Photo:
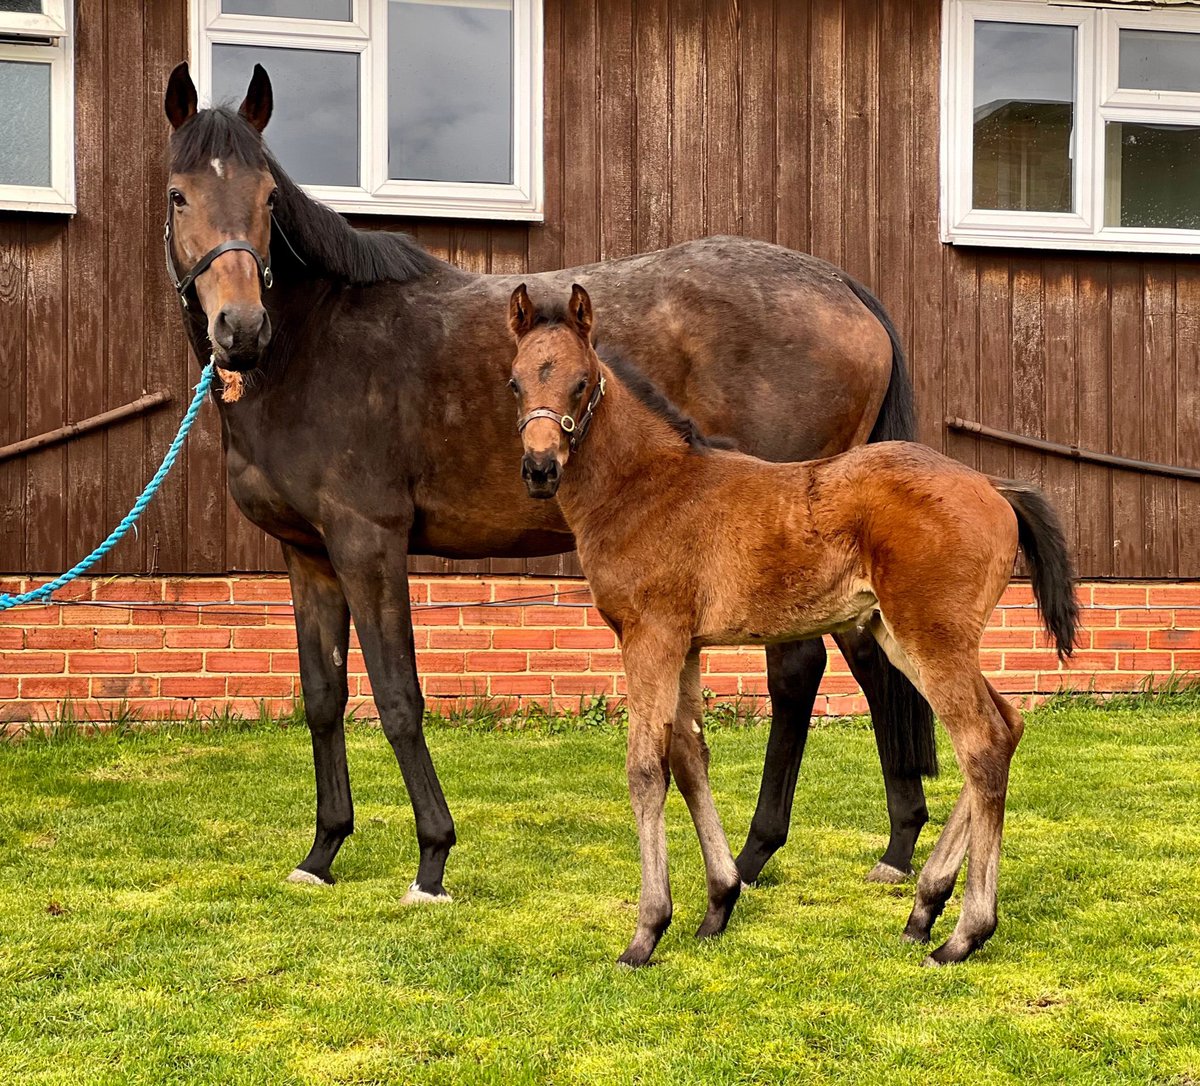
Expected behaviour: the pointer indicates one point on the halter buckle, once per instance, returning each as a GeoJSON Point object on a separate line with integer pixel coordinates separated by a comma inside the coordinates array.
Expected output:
{"type": "Point", "coordinates": [567, 423]}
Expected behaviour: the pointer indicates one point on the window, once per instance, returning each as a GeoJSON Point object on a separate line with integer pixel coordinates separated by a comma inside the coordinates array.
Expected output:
{"type": "Point", "coordinates": [37, 129]}
{"type": "Point", "coordinates": [416, 107]}
{"type": "Point", "coordinates": [1070, 127]}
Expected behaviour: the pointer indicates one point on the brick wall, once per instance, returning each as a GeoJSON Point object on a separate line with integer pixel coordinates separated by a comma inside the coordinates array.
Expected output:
{"type": "Point", "coordinates": [176, 646]}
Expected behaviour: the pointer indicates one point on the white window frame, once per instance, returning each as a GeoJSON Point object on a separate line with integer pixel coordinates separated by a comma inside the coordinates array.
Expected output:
{"type": "Point", "coordinates": [46, 39]}
{"type": "Point", "coordinates": [366, 35]}
{"type": "Point", "coordinates": [1097, 102]}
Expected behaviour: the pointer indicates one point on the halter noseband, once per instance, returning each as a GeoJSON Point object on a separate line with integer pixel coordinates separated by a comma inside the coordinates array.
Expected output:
{"type": "Point", "coordinates": [576, 430]}
{"type": "Point", "coordinates": [183, 284]}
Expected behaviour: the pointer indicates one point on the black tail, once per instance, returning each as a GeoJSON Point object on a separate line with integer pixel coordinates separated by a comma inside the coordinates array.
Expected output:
{"type": "Point", "coordinates": [1040, 533]}
{"type": "Point", "coordinates": [897, 420]}
{"type": "Point", "coordinates": [908, 743]}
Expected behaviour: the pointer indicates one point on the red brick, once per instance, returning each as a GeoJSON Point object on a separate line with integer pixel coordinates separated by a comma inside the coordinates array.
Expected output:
{"type": "Point", "coordinates": [553, 616]}
{"type": "Point", "coordinates": [1033, 660]}
{"type": "Point", "coordinates": [1175, 595]}
{"type": "Point", "coordinates": [287, 663]}
{"type": "Point", "coordinates": [560, 663]}
{"type": "Point", "coordinates": [490, 662]}
{"type": "Point", "coordinates": [1021, 616]}
{"type": "Point", "coordinates": [198, 590]}
{"type": "Point", "coordinates": [460, 639]}
{"type": "Point", "coordinates": [125, 589]}
{"type": "Point", "coordinates": [608, 661]}
{"type": "Point", "coordinates": [163, 616]}
{"type": "Point", "coordinates": [1119, 639]}
{"type": "Point", "coordinates": [1119, 595]}
{"type": "Point", "coordinates": [1013, 681]}
{"type": "Point", "coordinates": [244, 663]}
{"type": "Point", "coordinates": [523, 639]}
{"type": "Point", "coordinates": [1017, 594]}
{"type": "Point", "coordinates": [583, 685]}
{"type": "Point", "coordinates": [100, 663]}
{"type": "Point", "coordinates": [723, 686]}
{"type": "Point", "coordinates": [129, 637]}
{"type": "Point", "coordinates": [261, 589]}
{"type": "Point", "coordinates": [211, 616]}
{"type": "Point", "coordinates": [445, 663]}
{"type": "Point", "coordinates": [31, 663]}
{"type": "Point", "coordinates": [1161, 662]}
{"type": "Point", "coordinates": [436, 686]}
{"type": "Point", "coordinates": [1175, 639]}
{"type": "Point", "coordinates": [160, 662]}
{"type": "Point", "coordinates": [9, 688]}
{"type": "Point", "coordinates": [585, 639]}
{"type": "Point", "coordinates": [88, 615]}
{"type": "Point", "coordinates": [124, 686]}
{"type": "Point", "coordinates": [449, 591]}
{"type": "Point", "coordinates": [56, 687]}
{"type": "Point", "coordinates": [725, 663]}
{"type": "Point", "coordinates": [265, 637]}
{"type": "Point", "coordinates": [60, 637]}
{"type": "Point", "coordinates": [528, 685]}
{"type": "Point", "coordinates": [594, 618]}
{"type": "Point", "coordinates": [198, 638]}
{"type": "Point", "coordinates": [260, 686]}
{"type": "Point", "coordinates": [1185, 661]}
{"type": "Point", "coordinates": [1149, 619]}
{"type": "Point", "coordinates": [192, 686]}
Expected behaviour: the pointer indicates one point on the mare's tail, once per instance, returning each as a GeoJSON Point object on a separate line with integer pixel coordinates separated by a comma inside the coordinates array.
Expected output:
{"type": "Point", "coordinates": [1040, 534]}
{"type": "Point", "coordinates": [908, 743]}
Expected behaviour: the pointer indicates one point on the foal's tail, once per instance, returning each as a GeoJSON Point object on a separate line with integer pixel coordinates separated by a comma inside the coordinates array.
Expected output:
{"type": "Point", "coordinates": [1040, 534]}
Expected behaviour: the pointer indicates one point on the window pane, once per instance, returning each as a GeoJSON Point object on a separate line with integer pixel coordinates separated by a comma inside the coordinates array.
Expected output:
{"type": "Point", "coordinates": [25, 7]}
{"type": "Point", "coordinates": [314, 130]}
{"type": "Point", "coordinates": [338, 10]}
{"type": "Point", "coordinates": [1159, 60]}
{"type": "Point", "coordinates": [1152, 175]}
{"type": "Point", "coordinates": [450, 93]}
{"type": "Point", "coordinates": [1024, 116]}
{"type": "Point", "coordinates": [24, 123]}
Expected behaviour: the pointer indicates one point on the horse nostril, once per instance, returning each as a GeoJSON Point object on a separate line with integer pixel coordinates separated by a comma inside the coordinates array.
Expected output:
{"type": "Point", "coordinates": [223, 330]}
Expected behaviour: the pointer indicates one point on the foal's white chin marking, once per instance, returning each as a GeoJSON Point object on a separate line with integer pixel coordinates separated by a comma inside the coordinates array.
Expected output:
{"type": "Point", "coordinates": [417, 896]}
{"type": "Point", "coordinates": [306, 878]}
{"type": "Point", "coordinates": [218, 167]}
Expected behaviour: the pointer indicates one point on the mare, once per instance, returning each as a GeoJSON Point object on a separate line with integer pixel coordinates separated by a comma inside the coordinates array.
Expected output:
{"type": "Point", "coordinates": [686, 545]}
{"type": "Point", "coordinates": [369, 429]}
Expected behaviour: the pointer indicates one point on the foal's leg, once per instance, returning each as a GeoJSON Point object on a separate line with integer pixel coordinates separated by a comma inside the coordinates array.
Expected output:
{"type": "Point", "coordinates": [891, 711]}
{"type": "Point", "coordinates": [689, 763]}
{"type": "Point", "coordinates": [653, 663]}
{"type": "Point", "coordinates": [372, 567]}
{"type": "Point", "coordinates": [794, 674]}
{"type": "Point", "coordinates": [323, 631]}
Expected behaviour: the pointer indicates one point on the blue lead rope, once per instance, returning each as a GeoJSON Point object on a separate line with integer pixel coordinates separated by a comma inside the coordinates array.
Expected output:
{"type": "Point", "coordinates": [118, 533]}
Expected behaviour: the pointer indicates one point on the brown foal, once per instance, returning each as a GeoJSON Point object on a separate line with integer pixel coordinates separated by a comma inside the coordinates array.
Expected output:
{"type": "Point", "coordinates": [686, 544]}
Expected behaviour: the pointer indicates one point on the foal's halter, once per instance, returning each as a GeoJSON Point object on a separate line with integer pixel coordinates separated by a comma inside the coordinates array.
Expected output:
{"type": "Point", "coordinates": [183, 284]}
{"type": "Point", "coordinates": [576, 431]}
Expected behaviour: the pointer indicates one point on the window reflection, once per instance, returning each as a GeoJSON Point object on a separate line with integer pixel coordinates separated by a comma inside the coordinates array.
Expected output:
{"type": "Point", "coordinates": [1152, 175]}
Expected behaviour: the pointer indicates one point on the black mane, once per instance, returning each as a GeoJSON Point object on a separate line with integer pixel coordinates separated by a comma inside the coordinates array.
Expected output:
{"type": "Point", "coordinates": [654, 398]}
{"type": "Point", "coordinates": [319, 236]}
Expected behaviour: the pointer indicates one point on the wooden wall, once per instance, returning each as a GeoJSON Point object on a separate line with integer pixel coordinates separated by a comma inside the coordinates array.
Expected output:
{"type": "Point", "coordinates": [814, 124]}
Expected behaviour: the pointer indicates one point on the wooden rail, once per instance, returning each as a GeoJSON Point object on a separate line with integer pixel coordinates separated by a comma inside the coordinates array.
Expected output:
{"type": "Point", "coordinates": [73, 429]}
{"type": "Point", "coordinates": [1073, 452]}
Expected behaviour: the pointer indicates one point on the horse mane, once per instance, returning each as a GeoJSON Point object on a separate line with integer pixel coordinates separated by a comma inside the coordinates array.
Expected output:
{"type": "Point", "coordinates": [317, 234]}
{"type": "Point", "coordinates": [653, 397]}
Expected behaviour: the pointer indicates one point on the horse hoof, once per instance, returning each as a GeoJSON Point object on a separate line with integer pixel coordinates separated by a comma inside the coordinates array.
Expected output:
{"type": "Point", "coordinates": [882, 872]}
{"type": "Point", "coordinates": [417, 896]}
{"type": "Point", "coordinates": [307, 878]}
{"type": "Point", "coordinates": [634, 959]}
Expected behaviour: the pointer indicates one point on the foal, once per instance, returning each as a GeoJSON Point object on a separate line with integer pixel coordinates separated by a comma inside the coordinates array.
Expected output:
{"type": "Point", "coordinates": [685, 544]}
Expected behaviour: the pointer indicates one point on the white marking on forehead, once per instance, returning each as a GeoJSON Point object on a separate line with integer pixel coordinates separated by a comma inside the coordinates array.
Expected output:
{"type": "Point", "coordinates": [218, 167]}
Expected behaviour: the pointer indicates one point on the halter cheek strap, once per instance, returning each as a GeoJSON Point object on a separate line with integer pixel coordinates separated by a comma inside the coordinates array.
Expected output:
{"type": "Point", "coordinates": [184, 283]}
{"type": "Point", "coordinates": [576, 431]}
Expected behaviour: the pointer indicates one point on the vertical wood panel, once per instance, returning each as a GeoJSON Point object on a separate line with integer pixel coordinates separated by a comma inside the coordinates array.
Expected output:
{"type": "Point", "coordinates": [687, 120]}
{"type": "Point", "coordinates": [759, 103]}
{"type": "Point", "coordinates": [995, 360]}
{"type": "Point", "coordinates": [616, 130]}
{"type": "Point", "coordinates": [962, 352]}
{"type": "Point", "coordinates": [1127, 487]}
{"type": "Point", "coordinates": [1159, 557]}
{"type": "Point", "coordinates": [580, 136]}
{"type": "Point", "coordinates": [1028, 394]}
{"type": "Point", "coordinates": [826, 137]}
{"type": "Point", "coordinates": [12, 390]}
{"type": "Point", "coordinates": [722, 108]}
{"type": "Point", "coordinates": [652, 123]}
{"type": "Point", "coordinates": [1187, 408]}
{"type": "Point", "coordinates": [1060, 476]}
{"type": "Point", "coordinates": [792, 209]}
{"type": "Point", "coordinates": [859, 189]}
{"type": "Point", "coordinates": [545, 239]}
{"type": "Point", "coordinates": [1094, 374]}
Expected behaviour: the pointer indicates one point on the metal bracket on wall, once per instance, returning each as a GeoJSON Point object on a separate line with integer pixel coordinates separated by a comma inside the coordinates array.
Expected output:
{"type": "Point", "coordinates": [1072, 452]}
{"type": "Point", "coordinates": [106, 418]}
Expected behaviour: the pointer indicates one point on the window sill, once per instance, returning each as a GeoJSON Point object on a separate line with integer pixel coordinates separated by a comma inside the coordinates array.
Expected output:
{"type": "Point", "coordinates": [1114, 241]}
{"type": "Point", "coordinates": [49, 206]}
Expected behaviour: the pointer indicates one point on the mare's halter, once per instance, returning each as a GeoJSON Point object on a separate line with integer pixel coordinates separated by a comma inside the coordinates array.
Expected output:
{"type": "Point", "coordinates": [183, 284]}
{"type": "Point", "coordinates": [576, 431]}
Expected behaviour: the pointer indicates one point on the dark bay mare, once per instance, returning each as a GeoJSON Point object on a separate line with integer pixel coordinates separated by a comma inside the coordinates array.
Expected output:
{"type": "Point", "coordinates": [686, 545]}
{"type": "Point", "coordinates": [374, 425]}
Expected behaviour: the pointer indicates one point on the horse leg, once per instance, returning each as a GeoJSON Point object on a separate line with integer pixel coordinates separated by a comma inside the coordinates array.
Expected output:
{"type": "Point", "coordinates": [896, 714]}
{"type": "Point", "coordinates": [652, 669]}
{"type": "Point", "coordinates": [323, 632]}
{"type": "Point", "coordinates": [689, 763]}
{"type": "Point", "coordinates": [794, 673]}
{"type": "Point", "coordinates": [373, 570]}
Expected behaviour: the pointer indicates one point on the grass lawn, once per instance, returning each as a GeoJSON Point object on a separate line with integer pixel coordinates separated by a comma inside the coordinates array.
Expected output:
{"type": "Point", "coordinates": [148, 935]}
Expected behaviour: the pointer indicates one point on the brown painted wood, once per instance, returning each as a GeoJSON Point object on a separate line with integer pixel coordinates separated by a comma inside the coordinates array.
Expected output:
{"type": "Point", "coordinates": [813, 123]}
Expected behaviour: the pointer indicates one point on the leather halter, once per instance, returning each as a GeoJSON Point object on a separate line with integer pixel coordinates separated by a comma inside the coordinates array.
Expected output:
{"type": "Point", "coordinates": [576, 430]}
{"type": "Point", "coordinates": [183, 284]}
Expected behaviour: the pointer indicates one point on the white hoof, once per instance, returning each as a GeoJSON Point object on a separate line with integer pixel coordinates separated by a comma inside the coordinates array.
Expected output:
{"type": "Point", "coordinates": [747, 886]}
{"type": "Point", "coordinates": [417, 896]}
{"type": "Point", "coordinates": [306, 878]}
{"type": "Point", "coordinates": [882, 872]}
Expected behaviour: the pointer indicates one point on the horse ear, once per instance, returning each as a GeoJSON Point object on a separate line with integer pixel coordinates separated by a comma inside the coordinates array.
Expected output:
{"type": "Point", "coordinates": [259, 101]}
{"type": "Point", "coordinates": [179, 102]}
{"type": "Point", "coordinates": [520, 312]}
{"type": "Point", "coordinates": [580, 311]}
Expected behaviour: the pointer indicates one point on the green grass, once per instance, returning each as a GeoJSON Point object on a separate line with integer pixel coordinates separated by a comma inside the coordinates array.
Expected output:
{"type": "Point", "coordinates": [148, 935]}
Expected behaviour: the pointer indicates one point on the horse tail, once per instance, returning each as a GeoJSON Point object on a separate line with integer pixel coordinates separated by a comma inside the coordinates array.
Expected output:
{"type": "Point", "coordinates": [907, 740]}
{"type": "Point", "coordinates": [1040, 534]}
{"type": "Point", "coordinates": [897, 418]}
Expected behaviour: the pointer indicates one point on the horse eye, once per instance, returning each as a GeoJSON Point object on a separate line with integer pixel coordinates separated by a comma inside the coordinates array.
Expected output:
{"type": "Point", "coordinates": [514, 387]}
{"type": "Point", "coordinates": [581, 386]}
{"type": "Point", "coordinates": [272, 198]}
{"type": "Point", "coordinates": [177, 198]}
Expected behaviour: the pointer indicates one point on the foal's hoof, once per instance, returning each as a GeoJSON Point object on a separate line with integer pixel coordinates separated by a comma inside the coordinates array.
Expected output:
{"type": "Point", "coordinates": [946, 954]}
{"type": "Point", "coordinates": [635, 958]}
{"type": "Point", "coordinates": [882, 872]}
{"type": "Point", "coordinates": [913, 934]}
{"type": "Point", "coordinates": [717, 918]}
{"type": "Point", "coordinates": [307, 878]}
{"type": "Point", "coordinates": [417, 896]}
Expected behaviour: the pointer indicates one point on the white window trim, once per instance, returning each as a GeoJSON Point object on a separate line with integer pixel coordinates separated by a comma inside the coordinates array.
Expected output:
{"type": "Point", "coordinates": [52, 43]}
{"type": "Point", "coordinates": [379, 195]}
{"type": "Point", "coordinates": [1097, 101]}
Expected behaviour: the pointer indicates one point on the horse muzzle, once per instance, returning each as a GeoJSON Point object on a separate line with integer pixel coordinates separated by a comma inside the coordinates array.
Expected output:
{"type": "Point", "coordinates": [240, 334]}
{"type": "Point", "coordinates": [541, 474]}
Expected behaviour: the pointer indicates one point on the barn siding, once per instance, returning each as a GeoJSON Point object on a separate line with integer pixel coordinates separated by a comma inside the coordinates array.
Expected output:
{"type": "Point", "coordinates": [813, 123]}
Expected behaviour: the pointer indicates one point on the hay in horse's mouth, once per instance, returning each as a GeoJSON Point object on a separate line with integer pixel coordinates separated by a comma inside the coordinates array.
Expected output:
{"type": "Point", "coordinates": [233, 385]}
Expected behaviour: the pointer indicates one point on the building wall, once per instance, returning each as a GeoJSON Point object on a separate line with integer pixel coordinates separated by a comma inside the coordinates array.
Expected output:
{"type": "Point", "coordinates": [813, 123]}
